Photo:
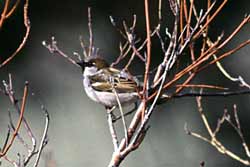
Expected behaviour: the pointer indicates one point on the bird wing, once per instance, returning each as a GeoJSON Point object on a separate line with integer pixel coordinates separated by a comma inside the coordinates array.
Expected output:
{"type": "Point", "coordinates": [111, 78]}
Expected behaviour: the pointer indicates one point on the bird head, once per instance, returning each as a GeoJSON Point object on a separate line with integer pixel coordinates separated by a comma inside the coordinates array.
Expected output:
{"type": "Point", "coordinates": [97, 63]}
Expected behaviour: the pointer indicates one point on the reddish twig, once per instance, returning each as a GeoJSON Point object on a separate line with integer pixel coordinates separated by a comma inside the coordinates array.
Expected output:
{"type": "Point", "coordinates": [24, 99]}
{"type": "Point", "coordinates": [27, 25]}
{"type": "Point", "coordinates": [148, 58]}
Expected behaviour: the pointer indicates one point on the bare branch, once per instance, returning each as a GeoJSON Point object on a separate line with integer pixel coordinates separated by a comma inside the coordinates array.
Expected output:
{"type": "Point", "coordinates": [213, 138]}
{"type": "Point", "coordinates": [112, 131]}
{"type": "Point", "coordinates": [53, 48]}
{"type": "Point", "coordinates": [7, 146]}
{"type": "Point", "coordinates": [14, 134]}
{"type": "Point", "coordinates": [44, 137]}
{"type": "Point", "coordinates": [27, 25]}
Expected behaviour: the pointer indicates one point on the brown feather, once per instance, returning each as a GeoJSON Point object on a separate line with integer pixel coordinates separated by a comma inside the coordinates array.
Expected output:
{"type": "Point", "coordinates": [109, 78]}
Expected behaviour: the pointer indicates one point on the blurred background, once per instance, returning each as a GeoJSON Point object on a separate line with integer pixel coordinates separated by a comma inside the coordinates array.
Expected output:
{"type": "Point", "coordinates": [78, 134]}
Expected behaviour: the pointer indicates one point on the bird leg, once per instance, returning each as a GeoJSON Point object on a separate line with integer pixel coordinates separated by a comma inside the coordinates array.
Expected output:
{"type": "Point", "coordinates": [110, 111]}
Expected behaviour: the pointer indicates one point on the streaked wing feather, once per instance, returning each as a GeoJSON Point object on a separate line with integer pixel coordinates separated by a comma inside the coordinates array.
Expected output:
{"type": "Point", "coordinates": [120, 83]}
{"type": "Point", "coordinates": [102, 86]}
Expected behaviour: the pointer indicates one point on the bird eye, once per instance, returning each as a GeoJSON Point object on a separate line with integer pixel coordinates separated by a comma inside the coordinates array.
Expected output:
{"type": "Point", "coordinates": [89, 64]}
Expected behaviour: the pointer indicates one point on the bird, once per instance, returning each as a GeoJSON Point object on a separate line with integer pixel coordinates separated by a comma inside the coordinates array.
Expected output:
{"type": "Point", "coordinates": [105, 84]}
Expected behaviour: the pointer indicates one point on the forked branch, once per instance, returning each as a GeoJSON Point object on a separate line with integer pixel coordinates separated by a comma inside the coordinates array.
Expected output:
{"type": "Point", "coordinates": [26, 24]}
{"type": "Point", "coordinates": [14, 129]}
{"type": "Point", "coordinates": [214, 141]}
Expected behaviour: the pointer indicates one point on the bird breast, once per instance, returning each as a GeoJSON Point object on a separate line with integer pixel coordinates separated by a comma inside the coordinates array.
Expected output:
{"type": "Point", "coordinates": [108, 99]}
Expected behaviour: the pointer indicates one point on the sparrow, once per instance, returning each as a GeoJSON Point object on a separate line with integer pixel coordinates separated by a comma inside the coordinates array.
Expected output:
{"type": "Point", "coordinates": [103, 84]}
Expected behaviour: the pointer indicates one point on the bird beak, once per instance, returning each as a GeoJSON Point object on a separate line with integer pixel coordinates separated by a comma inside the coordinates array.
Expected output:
{"type": "Point", "coordinates": [81, 64]}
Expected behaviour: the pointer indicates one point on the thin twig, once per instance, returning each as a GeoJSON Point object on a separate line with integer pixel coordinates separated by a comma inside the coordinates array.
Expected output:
{"type": "Point", "coordinates": [4, 13]}
{"type": "Point", "coordinates": [53, 48]}
{"type": "Point", "coordinates": [122, 114]}
{"type": "Point", "coordinates": [90, 32]}
{"type": "Point", "coordinates": [19, 122]}
{"type": "Point", "coordinates": [213, 139]}
{"type": "Point", "coordinates": [44, 136]}
{"type": "Point", "coordinates": [211, 18]}
{"type": "Point", "coordinates": [112, 131]}
{"type": "Point", "coordinates": [27, 25]}
{"type": "Point", "coordinates": [12, 10]}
